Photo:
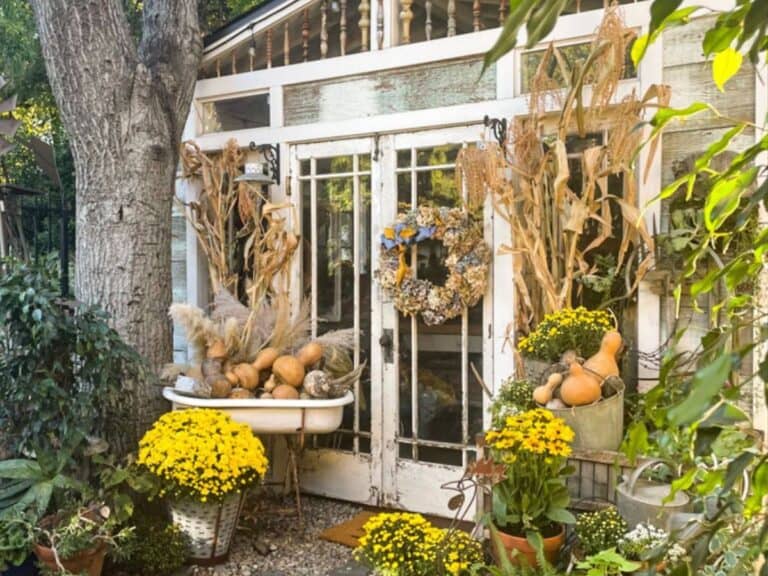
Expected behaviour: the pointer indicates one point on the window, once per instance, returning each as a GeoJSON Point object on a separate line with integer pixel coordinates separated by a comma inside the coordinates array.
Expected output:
{"type": "Point", "coordinates": [236, 114]}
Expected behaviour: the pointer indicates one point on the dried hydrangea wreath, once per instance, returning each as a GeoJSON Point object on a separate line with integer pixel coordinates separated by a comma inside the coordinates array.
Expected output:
{"type": "Point", "coordinates": [467, 263]}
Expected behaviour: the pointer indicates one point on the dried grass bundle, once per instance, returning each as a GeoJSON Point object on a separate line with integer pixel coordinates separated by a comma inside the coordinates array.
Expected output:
{"type": "Point", "coordinates": [556, 231]}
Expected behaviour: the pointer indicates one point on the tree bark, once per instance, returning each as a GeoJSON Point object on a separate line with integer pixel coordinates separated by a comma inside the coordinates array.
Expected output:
{"type": "Point", "coordinates": [124, 106]}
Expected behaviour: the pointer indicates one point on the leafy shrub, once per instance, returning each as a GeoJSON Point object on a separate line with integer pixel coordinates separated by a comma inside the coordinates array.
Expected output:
{"type": "Point", "coordinates": [600, 530]}
{"type": "Point", "coordinates": [515, 396]}
{"type": "Point", "coordinates": [160, 548]}
{"type": "Point", "coordinates": [61, 365]}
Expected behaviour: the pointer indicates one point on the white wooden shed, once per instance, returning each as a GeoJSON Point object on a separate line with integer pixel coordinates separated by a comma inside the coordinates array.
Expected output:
{"type": "Point", "coordinates": [368, 102]}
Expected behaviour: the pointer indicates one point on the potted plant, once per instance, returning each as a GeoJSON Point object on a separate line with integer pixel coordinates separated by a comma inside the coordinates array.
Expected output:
{"type": "Point", "coordinates": [15, 545]}
{"type": "Point", "coordinates": [651, 546]}
{"type": "Point", "coordinates": [77, 540]}
{"type": "Point", "coordinates": [598, 531]}
{"type": "Point", "coordinates": [203, 462]}
{"type": "Point", "coordinates": [606, 563]}
{"type": "Point", "coordinates": [529, 503]}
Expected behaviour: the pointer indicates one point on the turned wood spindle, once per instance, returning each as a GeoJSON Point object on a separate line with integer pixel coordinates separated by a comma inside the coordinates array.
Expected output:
{"type": "Point", "coordinates": [428, 22]}
{"type": "Point", "coordinates": [343, 28]}
{"type": "Point", "coordinates": [476, 15]}
{"type": "Point", "coordinates": [305, 35]}
{"type": "Point", "coordinates": [502, 11]}
{"type": "Point", "coordinates": [324, 29]}
{"type": "Point", "coordinates": [406, 16]}
{"type": "Point", "coordinates": [234, 63]}
{"type": "Point", "coordinates": [269, 48]}
{"type": "Point", "coordinates": [218, 68]}
{"type": "Point", "coordinates": [380, 24]}
{"type": "Point", "coordinates": [286, 45]}
{"type": "Point", "coordinates": [451, 17]}
{"type": "Point", "coordinates": [365, 24]}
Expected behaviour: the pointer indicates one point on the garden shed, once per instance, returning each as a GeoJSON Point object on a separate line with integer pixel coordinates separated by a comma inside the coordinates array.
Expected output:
{"type": "Point", "coordinates": [362, 108]}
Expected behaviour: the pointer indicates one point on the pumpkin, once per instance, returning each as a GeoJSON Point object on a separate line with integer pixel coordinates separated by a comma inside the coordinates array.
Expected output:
{"type": "Point", "coordinates": [220, 386]}
{"type": "Point", "coordinates": [217, 349]}
{"type": "Point", "coordinates": [265, 358]}
{"type": "Point", "coordinates": [285, 392]}
{"type": "Point", "coordinates": [241, 394]}
{"type": "Point", "coordinates": [288, 370]}
{"type": "Point", "coordinates": [543, 393]}
{"type": "Point", "coordinates": [310, 354]}
{"type": "Point", "coordinates": [247, 375]}
{"type": "Point", "coordinates": [603, 363]}
{"type": "Point", "coordinates": [579, 388]}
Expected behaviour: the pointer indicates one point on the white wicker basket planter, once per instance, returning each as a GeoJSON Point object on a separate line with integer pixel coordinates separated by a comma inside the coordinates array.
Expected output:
{"type": "Point", "coordinates": [210, 526]}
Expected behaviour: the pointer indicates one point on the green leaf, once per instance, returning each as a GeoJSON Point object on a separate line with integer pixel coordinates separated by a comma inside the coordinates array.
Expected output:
{"type": "Point", "coordinates": [706, 384]}
{"type": "Point", "coordinates": [639, 46]}
{"type": "Point", "coordinates": [725, 65]}
{"type": "Point", "coordinates": [561, 515]}
{"type": "Point", "coordinates": [20, 469]}
{"type": "Point", "coordinates": [724, 198]}
{"type": "Point", "coordinates": [661, 10]}
{"type": "Point", "coordinates": [727, 414]}
{"type": "Point", "coordinates": [635, 441]}
{"type": "Point", "coordinates": [543, 20]}
{"type": "Point", "coordinates": [518, 13]}
{"type": "Point", "coordinates": [719, 37]}
{"type": "Point", "coordinates": [717, 147]}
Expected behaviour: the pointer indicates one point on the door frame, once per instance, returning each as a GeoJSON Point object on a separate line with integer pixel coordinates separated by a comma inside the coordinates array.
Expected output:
{"type": "Point", "coordinates": [381, 477]}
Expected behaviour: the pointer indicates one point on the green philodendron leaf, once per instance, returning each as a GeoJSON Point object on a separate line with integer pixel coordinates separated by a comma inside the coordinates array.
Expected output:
{"type": "Point", "coordinates": [725, 65]}
{"type": "Point", "coordinates": [661, 10]}
{"type": "Point", "coordinates": [636, 441]}
{"type": "Point", "coordinates": [727, 414]}
{"type": "Point", "coordinates": [681, 484]}
{"type": "Point", "coordinates": [543, 20]}
{"type": "Point", "coordinates": [706, 384]}
{"type": "Point", "coordinates": [715, 148]}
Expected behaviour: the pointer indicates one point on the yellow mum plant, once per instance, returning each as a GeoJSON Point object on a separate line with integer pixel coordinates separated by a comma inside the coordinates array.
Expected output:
{"type": "Point", "coordinates": [533, 447]}
{"type": "Point", "coordinates": [575, 329]}
{"type": "Point", "coordinates": [407, 544]}
{"type": "Point", "coordinates": [201, 454]}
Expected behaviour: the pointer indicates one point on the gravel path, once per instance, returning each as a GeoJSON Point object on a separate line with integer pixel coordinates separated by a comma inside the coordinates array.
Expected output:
{"type": "Point", "coordinates": [270, 542]}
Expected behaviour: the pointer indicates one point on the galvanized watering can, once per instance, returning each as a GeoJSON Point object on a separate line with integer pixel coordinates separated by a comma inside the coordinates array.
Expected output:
{"type": "Point", "coordinates": [640, 500]}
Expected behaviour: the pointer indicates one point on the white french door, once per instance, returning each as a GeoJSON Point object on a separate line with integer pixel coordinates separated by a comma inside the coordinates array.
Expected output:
{"type": "Point", "coordinates": [418, 406]}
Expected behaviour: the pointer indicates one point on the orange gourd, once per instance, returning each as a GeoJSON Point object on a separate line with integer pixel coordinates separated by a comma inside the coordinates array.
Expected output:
{"type": "Point", "coordinates": [543, 393]}
{"type": "Point", "coordinates": [579, 388]}
{"type": "Point", "coordinates": [603, 363]}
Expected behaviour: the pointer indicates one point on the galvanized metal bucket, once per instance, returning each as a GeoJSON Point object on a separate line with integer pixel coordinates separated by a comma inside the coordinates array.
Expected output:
{"type": "Point", "coordinates": [598, 426]}
{"type": "Point", "coordinates": [640, 500]}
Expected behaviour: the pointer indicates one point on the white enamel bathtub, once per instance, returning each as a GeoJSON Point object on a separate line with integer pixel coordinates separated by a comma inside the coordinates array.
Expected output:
{"type": "Point", "coordinates": [316, 416]}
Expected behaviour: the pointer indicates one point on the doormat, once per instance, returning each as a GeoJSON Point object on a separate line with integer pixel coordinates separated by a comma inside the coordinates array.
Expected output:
{"type": "Point", "coordinates": [347, 533]}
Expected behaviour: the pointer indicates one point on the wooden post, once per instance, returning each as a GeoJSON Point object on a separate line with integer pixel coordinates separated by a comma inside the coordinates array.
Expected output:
{"type": "Point", "coordinates": [269, 48]}
{"type": "Point", "coordinates": [451, 17]}
{"type": "Point", "coordinates": [502, 12]}
{"type": "Point", "coordinates": [234, 62]}
{"type": "Point", "coordinates": [286, 45]}
{"type": "Point", "coordinates": [343, 28]}
{"type": "Point", "coordinates": [305, 34]}
{"type": "Point", "coordinates": [428, 22]}
{"type": "Point", "coordinates": [406, 16]}
{"type": "Point", "coordinates": [324, 29]}
{"type": "Point", "coordinates": [476, 15]}
{"type": "Point", "coordinates": [365, 24]}
{"type": "Point", "coordinates": [380, 23]}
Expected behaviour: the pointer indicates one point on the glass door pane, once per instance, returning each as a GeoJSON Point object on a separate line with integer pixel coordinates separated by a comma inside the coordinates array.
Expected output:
{"type": "Point", "coordinates": [336, 272]}
{"type": "Point", "coordinates": [440, 404]}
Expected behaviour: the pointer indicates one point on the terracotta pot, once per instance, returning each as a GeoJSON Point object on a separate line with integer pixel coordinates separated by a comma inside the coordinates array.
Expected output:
{"type": "Point", "coordinates": [90, 561]}
{"type": "Point", "coordinates": [552, 547]}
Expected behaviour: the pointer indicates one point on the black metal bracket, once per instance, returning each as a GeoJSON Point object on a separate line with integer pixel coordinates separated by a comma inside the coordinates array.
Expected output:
{"type": "Point", "coordinates": [498, 128]}
{"type": "Point", "coordinates": [271, 154]}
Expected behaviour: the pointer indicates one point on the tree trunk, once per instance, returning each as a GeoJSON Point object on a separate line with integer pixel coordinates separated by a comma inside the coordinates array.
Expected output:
{"type": "Point", "coordinates": [124, 107]}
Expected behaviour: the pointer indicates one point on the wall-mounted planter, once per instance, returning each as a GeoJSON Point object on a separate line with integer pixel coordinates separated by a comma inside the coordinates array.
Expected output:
{"type": "Point", "coordinates": [270, 416]}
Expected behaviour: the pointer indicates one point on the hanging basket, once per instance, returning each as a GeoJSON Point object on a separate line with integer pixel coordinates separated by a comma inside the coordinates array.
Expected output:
{"type": "Point", "coordinates": [210, 526]}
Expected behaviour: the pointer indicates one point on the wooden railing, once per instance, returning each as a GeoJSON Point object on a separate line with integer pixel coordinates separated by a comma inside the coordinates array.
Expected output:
{"type": "Point", "coordinates": [330, 28]}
